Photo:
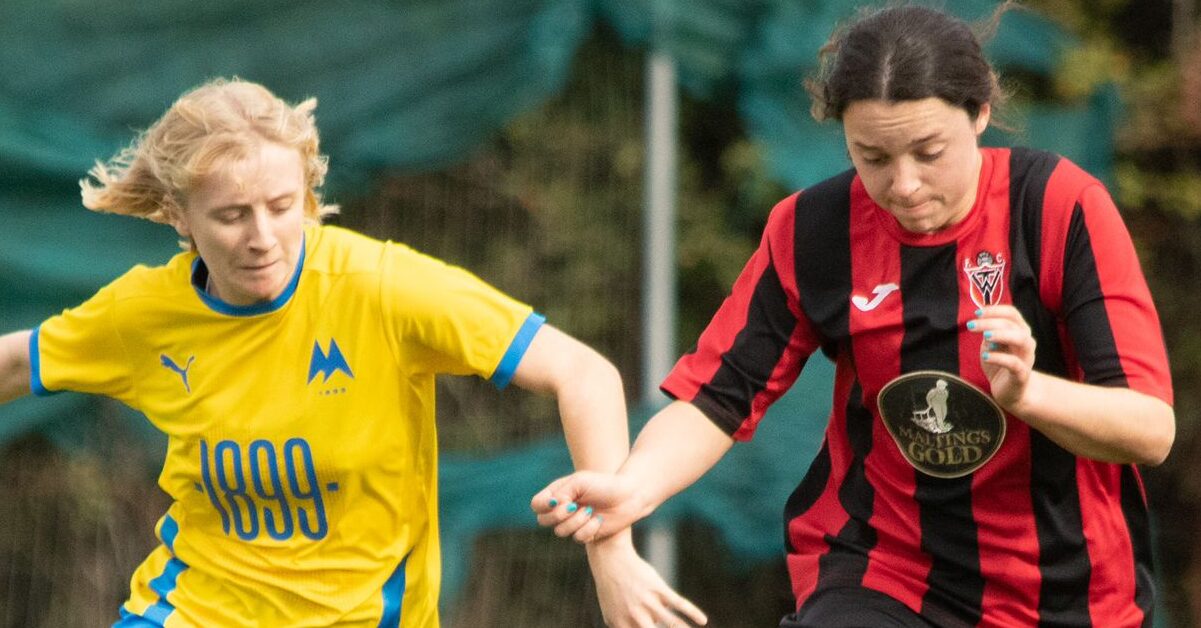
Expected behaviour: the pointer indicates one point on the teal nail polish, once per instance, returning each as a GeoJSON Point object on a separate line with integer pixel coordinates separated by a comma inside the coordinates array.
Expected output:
{"type": "Point", "coordinates": [984, 356]}
{"type": "Point", "coordinates": [600, 519]}
{"type": "Point", "coordinates": [992, 346]}
{"type": "Point", "coordinates": [987, 335]}
{"type": "Point", "coordinates": [572, 507]}
{"type": "Point", "coordinates": [588, 511]}
{"type": "Point", "coordinates": [971, 324]}
{"type": "Point", "coordinates": [979, 313]}
{"type": "Point", "coordinates": [554, 502]}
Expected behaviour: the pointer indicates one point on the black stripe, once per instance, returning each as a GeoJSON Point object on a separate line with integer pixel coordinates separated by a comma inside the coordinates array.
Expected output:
{"type": "Point", "coordinates": [1029, 172]}
{"type": "Point", "coordinates": [930, 290]}
{"type": "Point", "coordinates": [808, 491]}
{"type": "Point", "coordinates": [846, 562]}
{"type": "Point", "coordinates": [1135, 510]}
{"type": "Point", "coordinates": [747, 366]}
{"type": "Point", "coordinates": [1064, 565]}
{"type": "Point", "coordinates": [823, 258]}
{"type": "Point", "coordinates": [1084, 309]}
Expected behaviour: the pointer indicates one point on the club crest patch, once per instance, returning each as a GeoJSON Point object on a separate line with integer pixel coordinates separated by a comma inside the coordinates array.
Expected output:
{"type": "Point", "coordinates": [943, 425]}
{"type": "Point", "coordinates": [986, 280]}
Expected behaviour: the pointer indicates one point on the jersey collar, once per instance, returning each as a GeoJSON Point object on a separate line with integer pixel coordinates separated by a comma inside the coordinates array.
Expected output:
{"type": "Point", "coordinates": [200, 274]}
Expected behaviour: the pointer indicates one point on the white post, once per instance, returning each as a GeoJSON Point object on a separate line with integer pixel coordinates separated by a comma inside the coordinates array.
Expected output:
{"type": "Point", "coordinates": [659, 266]}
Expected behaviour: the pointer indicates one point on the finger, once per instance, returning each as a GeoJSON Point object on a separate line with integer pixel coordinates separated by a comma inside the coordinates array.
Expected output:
{"type": "Point", "coordinates": [1005, 361]}
{"type": "Point", "coordinates": [577, 517]}
{"type": "Point", "coordinates": [550, 497]}
{"type": "Point", "coordinates": [553, 518]}
{"type": "Point", "coordinates": [680, 604]}
{"type": "Point", "coordinates": [590, 531]}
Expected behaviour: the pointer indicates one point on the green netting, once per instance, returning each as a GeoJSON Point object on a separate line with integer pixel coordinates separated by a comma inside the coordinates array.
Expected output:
{"type": "Point", "coordinates": [415, 85]}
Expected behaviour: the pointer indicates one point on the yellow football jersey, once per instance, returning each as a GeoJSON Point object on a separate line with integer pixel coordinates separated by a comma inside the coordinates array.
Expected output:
{"type": "Point", "coordinates": [301, 454]}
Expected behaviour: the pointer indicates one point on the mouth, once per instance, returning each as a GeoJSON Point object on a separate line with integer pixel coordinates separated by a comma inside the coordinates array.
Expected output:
{"type": "Point", "coordinates": [258, 267]}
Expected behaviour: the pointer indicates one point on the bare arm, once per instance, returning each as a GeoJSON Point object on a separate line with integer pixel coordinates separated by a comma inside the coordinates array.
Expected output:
{"type": "Point", "coordinates": [589, 393]}
{"type": "Point", "coordinates": [593, 411]}
{"type": "Point", "coordinates": [1108, 424]}
{"type": "Point", "coordinates": [676, 447]}
{"type": "Point", "coordinates": [14, 365]}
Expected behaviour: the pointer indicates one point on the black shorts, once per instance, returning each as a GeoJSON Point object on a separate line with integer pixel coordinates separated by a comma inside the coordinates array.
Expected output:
{"type": "Point", "coordinates": [853, 607]}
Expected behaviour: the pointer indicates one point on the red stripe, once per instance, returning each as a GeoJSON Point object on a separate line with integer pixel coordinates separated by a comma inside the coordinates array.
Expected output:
{"type": "Point", "coordinates": [779, 233]}
{"type": "Point", "coordinates": [1132, 315]}
{"type": "Point", "coordinates": [1111, 585]}
{"type": "Point", "coordinates": [694, 370]}
{"type": "Point", "coordinates": [1001, 502]}
{"type": "Point", "coordinates": [895, 566]}
{"type": "Point", "coordinates": [827, 516]}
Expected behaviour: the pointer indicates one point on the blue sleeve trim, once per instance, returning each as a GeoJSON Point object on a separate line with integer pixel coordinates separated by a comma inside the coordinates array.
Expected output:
{"type": "Point", "coordinates": [35, 366]}
{"type": "Point", "coordinates": [517, 348]}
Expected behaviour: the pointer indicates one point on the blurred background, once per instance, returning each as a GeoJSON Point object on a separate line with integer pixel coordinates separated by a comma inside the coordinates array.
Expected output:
{"type": "Point", "coordinates": [611, 162]}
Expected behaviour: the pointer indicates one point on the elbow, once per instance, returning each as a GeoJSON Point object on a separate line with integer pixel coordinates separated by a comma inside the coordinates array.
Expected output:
{"type": "Point", "coordinates": [1160, 437]}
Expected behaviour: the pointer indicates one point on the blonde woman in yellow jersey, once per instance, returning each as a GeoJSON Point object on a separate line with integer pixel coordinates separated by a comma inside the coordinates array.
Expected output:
{"type": "Point", "coordinates": [292, 367]}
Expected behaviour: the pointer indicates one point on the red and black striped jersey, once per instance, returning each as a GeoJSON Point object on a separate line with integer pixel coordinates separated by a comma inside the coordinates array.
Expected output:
{"type": "Point", "coordinates": [1036, 536]}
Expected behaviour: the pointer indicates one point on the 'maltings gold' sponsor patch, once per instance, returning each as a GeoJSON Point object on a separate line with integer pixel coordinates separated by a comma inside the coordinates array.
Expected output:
{"type": "Point", "coordinates": [943, 425]}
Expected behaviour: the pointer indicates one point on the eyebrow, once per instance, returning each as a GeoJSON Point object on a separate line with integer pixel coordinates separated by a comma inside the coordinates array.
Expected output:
{"type": "Point", "coordinates": [270, 201]}
{"type": "Point", "coordinates": [917, 142]}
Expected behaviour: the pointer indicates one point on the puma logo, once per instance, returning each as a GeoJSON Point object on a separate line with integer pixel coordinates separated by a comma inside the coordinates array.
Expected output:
{"type": "Point", "coordinates": [881, 291]}
{"type": "Point", "coordinates": [182, 372]}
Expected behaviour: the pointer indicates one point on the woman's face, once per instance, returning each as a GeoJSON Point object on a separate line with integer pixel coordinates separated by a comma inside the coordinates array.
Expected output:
{"type": "Point", "coordinates": [918, 159]}
{"type": "Point", "coordinates": [247, 222]}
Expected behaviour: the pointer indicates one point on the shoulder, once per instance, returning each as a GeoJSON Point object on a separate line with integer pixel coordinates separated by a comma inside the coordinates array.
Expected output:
{"type": "Point", "coordinates": [339, 251]}
{"type": "Point", "coordinates": [1054, 179]}
{"type": "Point", "coordinates": [814, 210]}
{"type": "Point", "coordinates": [143, 281]}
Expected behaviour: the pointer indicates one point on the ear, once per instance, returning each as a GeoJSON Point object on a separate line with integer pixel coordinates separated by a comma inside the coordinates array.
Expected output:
{"type": "Point", "coordinates": [982, 118]}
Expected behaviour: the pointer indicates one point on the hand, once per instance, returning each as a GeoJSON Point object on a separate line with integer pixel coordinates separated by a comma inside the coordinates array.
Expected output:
{"type": "Point", "coordinates": [588, 505]}
{"type": "Point", "coordinates": [1006, 353]}
{"type": "Point", "coordinates": [631, 592]}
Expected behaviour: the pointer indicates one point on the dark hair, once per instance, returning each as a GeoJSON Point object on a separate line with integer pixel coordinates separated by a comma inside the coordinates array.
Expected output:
{"type": "Point", "coordinates": [905, 53]}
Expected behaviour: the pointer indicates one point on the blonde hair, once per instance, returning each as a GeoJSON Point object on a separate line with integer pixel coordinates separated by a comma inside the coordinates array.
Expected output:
{"type": "Point", "coordinates": [220, 120]}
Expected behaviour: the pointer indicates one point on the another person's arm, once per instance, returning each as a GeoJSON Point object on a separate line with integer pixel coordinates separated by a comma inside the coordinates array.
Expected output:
{"type": "Point", "coordinates": [14, 365]}
{"type": "Point", "coordinates": [592, 408]}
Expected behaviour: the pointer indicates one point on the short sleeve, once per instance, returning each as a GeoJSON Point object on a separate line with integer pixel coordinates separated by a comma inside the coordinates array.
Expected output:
{"type": "Point", "coordinates": [1110, 316]}
{"type": "Point", "coordinates": [443, 319]}
{"type": "Point", "coordinates": [81, 350]}
{"type": "Point", "coordinates": [756, 344]}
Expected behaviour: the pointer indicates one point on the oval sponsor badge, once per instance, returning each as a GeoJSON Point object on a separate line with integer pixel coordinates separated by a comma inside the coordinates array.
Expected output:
{"type": "Point", "coordinates": [943, 425]}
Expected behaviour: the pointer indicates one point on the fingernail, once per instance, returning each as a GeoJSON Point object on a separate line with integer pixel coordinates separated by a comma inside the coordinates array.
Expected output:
{"type": "Point", "coordinates": [971, 324]}
{"type": "Point", "coordinates": [600, 519]}
{"type": "Point", "coordinates": [572, 507]}
{"type": "Point", "coordinates": [979, 313]}
{"type": "Point", "coordinates": [992, 346]}
{"type": "Point", "coordinates": [588, 511]}
{"type": "Point", "coordinates": [554, 502]}
{"type": "Point", "coordinates": [984, 356]}
{"type": "Point", "coordinates": [987, 335]}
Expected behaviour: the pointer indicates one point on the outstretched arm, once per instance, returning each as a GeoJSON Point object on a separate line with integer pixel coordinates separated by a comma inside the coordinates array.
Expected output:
{"type": "Point", "coordinates": [592, 408]}
{"type": "Point", "coordinates": [676, 447]}
{"type": "Point", "coordinates": [14, 365]}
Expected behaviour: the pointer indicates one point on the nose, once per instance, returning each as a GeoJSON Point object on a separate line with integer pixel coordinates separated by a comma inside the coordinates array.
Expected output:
{"type": "Point", "coordinates": [905, 180]}
{"type": "Point", "coordinates": [261, 237]}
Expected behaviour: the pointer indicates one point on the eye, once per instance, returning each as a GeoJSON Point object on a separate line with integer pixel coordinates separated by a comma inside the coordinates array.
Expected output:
{"type": "Point", "coordinates": [928, 157]}
{"type": "Point", "coordinates": [282, 205]}
{"type": "Point", "coordinates": [875, 160]}
{"type": "Point", "coordinates": [229, 217]}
